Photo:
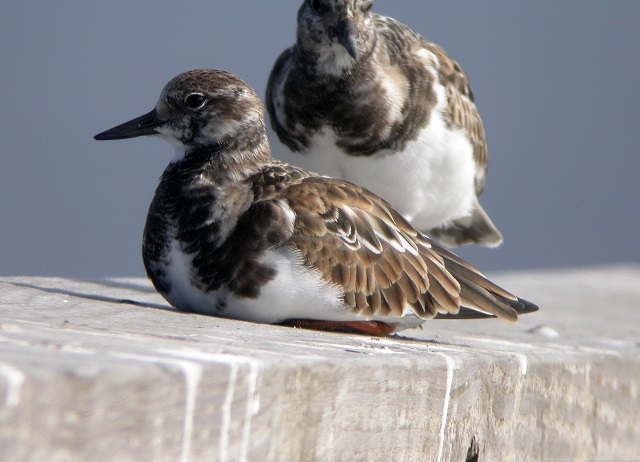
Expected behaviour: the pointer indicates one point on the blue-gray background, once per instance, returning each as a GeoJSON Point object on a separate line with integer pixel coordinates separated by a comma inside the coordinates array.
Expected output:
{"type": "Point", "coordinates": [556, 84]}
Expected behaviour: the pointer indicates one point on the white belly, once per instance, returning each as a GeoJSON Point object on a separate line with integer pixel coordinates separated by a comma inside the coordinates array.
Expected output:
{"type": "Point", "coordinates": [430, 183]}
{"type": "Point", "coordinates": [295, 293]}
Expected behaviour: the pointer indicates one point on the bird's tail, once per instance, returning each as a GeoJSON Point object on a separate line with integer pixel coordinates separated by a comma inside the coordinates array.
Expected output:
{"type": "Point", "coordinates": [479, 297]}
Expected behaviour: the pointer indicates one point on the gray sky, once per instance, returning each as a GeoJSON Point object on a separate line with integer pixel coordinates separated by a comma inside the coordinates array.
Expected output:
{"type": "Point", "coordinates": [556, 83]}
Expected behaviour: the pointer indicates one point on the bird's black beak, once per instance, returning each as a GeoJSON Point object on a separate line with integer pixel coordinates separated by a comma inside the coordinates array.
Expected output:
{"type": "Point", "coordinates": [347, 35]}
{"type": "Point", "coordinates": [140, 126]}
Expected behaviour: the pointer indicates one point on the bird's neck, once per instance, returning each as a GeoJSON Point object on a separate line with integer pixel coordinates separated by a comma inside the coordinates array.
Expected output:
{"type": "Point", "coordinates": [332, 62]}
{"type": "Point", "coordinates": [219, 164]}
{"type": "Point", "coordinates": [324, 63]}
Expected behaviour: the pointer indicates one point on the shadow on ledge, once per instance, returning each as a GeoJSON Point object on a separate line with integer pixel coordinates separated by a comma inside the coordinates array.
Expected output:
{"type": "Point", "coordinates": [99, 298]}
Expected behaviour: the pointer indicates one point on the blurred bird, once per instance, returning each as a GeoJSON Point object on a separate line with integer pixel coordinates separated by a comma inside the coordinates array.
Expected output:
{"type": "Point", "coordinates": [364, 98]}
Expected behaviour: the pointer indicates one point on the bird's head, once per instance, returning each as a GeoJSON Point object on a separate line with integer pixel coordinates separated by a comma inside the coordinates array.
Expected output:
{"type": "Point", "coordinates": [200, 110]}
{"type": "Point", "coordinates": [335, 33]}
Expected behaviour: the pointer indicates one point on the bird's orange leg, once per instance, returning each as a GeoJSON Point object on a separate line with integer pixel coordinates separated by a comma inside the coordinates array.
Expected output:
{"type": "Point", "coordinates": [376, 328]}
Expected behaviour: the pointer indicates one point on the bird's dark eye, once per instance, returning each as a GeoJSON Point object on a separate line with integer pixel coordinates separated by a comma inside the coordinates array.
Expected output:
{"type": "Point", "coordinates": [318, 6]}
{"type": "Point", "coordinates": [366, 7]}
{"type": "Point", "coordinates": [195, 100]}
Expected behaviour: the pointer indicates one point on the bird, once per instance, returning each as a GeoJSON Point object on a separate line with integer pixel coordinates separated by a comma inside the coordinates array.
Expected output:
{"type": "Point", "coordinates": [232, 232]}
{"type": "Point", "coordinates": [364, 98]}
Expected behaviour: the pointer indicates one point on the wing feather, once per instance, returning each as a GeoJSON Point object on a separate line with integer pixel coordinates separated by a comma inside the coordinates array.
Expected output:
{"type": "Point", "coordinates": [383, 265]}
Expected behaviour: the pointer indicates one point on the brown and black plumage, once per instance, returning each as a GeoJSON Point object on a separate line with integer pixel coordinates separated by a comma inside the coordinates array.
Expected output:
{"type": "Point", "coordinates": [234, 233]}
{"type": "Point", "coordinates": [364, 98]}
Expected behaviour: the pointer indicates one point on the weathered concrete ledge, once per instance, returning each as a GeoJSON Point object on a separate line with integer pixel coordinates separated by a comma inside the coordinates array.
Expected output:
{"type": "Point", "coordinates": [104, 370]}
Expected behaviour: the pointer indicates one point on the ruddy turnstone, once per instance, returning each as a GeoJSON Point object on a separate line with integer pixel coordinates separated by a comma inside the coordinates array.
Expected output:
{"type": "Point", "coordinates": [233, 233]}
{"type": "Point", "coordinates": [364, 98]}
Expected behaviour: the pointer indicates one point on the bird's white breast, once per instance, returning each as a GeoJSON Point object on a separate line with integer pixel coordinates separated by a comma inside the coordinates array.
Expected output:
{"type": "Point", "coordinates": [430, 182]}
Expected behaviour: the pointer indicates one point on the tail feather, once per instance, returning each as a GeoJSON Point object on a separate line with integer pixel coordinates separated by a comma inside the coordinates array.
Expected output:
{"type": "Point", "coordinates": [476, 228]}
{"type": "Point", "coordinates": [480, 298]}
{"type": "Point", "coordinates": [521, 306]}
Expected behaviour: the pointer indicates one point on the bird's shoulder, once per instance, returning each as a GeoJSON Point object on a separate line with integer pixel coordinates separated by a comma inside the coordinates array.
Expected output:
{"type": "Point", "coordinates": [278, 74]}
{"type": "Point", "coordinates": [402, 42]}
{"type": "Point", "coordinates": [411, 50]}
{"type": "Point", "coordinates": [277, 102]}
{"type": "Point", "coordinates": [461, 111]}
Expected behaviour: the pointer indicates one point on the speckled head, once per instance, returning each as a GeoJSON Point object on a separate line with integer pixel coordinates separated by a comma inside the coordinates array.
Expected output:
{"type": "Point", "coordinates": [197, 110]}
